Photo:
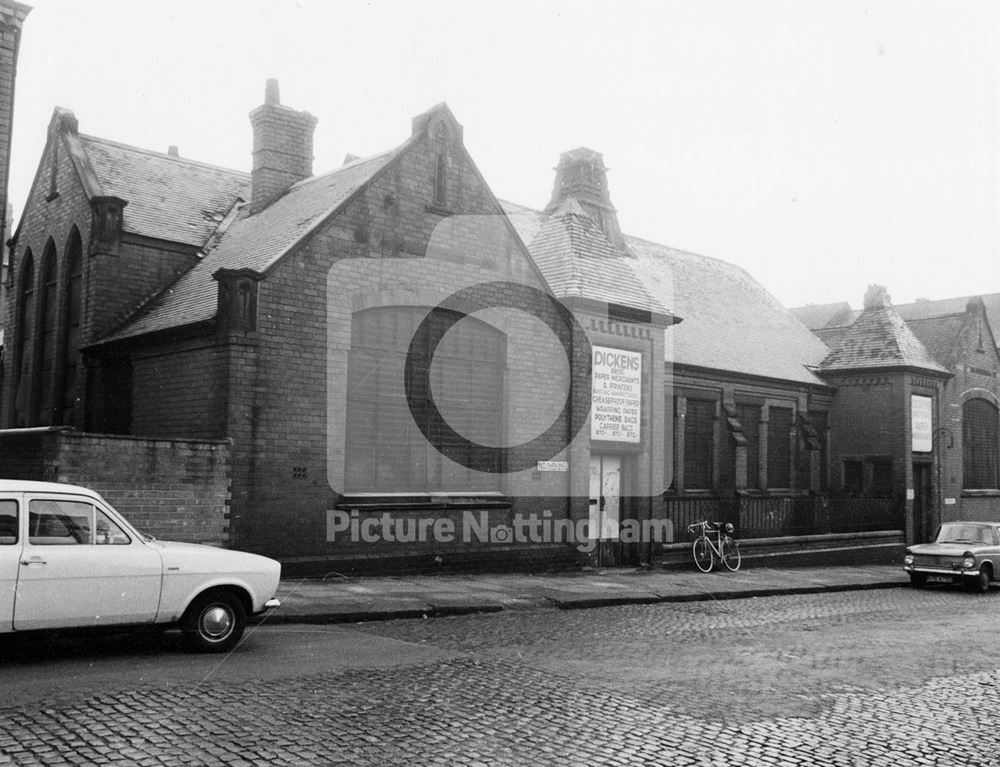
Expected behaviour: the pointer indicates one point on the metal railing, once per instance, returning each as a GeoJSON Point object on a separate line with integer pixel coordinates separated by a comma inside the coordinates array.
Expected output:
{"type": "Point", "coordinates": [775, 517]}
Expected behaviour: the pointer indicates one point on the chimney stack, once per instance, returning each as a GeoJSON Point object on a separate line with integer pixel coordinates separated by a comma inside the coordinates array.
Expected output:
{"type": "Point", "coordinates": [282, 148]}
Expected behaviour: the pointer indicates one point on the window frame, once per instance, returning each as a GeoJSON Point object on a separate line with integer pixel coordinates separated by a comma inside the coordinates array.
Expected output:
{"type": "Point", "coordinates": [975, 471]}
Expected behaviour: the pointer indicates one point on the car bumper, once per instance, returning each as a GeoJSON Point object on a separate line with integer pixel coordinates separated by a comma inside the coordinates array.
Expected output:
{"type": "Point", "coordinates": [269, 605]}
{"type": "Point", "coordinates": [940, 571]}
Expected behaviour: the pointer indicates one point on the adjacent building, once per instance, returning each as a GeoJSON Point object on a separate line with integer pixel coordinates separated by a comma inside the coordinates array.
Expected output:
{"type": "Point", "coordinates": [916, 412]}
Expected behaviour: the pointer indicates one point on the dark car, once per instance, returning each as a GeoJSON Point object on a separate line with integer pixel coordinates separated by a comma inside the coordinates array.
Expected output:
{"type": "Point", "coordinates": [962, 552]}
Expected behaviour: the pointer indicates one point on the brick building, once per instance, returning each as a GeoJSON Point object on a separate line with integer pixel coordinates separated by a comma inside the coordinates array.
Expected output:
{"type": "Point", "coordinates": [12, 16]}
{"type": "Point", "coordinates": [408, 368]}
{"type": "Point", "coordinates": [916, 413]}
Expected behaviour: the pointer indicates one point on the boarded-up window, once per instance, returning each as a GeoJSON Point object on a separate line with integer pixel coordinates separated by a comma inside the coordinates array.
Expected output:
{"type": "Point", "coordinates": [779, 450]}
{"type": "Point", "coordinates": [854, 478]}
{"type": "Point", "coordinates": [749, 416]}
{"type": "Point", "coordinates": [71, 387]}
{"type": "Point", "coordinates": [386, 450]}
{"type": "Point", "coordinates": [49, 333]}
{"type": "Point", "coordinates": [979, 445]}
{"type": "Point", "coordinates": [821, 422]}
{"type": "Point", "coordinates": [882, 479]}
{"type": "Point", "coordinates": [24, 341]}
{"type": "Point", "coordinates": [699, 444]}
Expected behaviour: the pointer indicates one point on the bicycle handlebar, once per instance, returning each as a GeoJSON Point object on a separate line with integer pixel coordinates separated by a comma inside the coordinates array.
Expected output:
{"type": "Point", "coordinates": [708, 527]}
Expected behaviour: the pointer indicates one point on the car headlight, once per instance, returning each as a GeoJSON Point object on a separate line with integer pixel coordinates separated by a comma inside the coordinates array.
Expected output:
{"type": "Point", "coordinates": [968, 561]}
{"type": "Point", "coordinates": [908, 559]}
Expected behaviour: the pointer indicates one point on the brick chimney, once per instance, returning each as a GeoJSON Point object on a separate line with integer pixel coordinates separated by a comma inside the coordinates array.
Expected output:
{"type": "Point", "coordinates": [877, 297]}
{"type": "Point", "coordinates": [582, 177]}
{"type": "Point", "coordinates": [282, 148]}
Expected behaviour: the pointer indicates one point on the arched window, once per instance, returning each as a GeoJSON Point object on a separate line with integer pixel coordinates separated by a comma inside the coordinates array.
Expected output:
{"type": "Point", "coordinates": [980, 446]}
{"type": "Point", "coordinates": [385, 450]}
{"type": "Point", "coordinates": [49, 332]}
{"type": "Point", "coordinates": [23, 340]}
{"type": "Point", "coordinates": [69, 388]}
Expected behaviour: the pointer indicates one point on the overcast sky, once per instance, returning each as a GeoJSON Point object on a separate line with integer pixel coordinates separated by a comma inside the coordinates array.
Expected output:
{"type": "Point", "coordinates": [822, 146]}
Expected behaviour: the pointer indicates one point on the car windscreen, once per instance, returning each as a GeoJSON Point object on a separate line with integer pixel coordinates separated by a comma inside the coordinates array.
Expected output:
{"type": "Point", "coordinates": [959, 533]}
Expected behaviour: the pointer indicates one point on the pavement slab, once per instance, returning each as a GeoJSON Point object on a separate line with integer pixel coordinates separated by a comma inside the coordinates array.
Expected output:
{"type": "Point", "coordinates": [346, 599]}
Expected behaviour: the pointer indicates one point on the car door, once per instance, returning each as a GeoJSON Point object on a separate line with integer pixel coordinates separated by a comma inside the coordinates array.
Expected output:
{"type": "Point", "coordinates": [80, 567]}
{"type": "Point", "coordinates": [10, 555]}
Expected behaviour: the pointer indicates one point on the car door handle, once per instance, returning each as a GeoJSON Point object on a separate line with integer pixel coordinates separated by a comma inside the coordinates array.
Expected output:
{"type": "Point", "coordinates": [33, 561]}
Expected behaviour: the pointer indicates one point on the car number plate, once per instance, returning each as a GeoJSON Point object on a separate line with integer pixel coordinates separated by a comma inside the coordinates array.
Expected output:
{"type": "Point", "coordinates": [940, 578]}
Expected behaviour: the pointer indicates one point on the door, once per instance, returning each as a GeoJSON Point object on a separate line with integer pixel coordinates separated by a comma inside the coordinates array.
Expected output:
{"type": "Point", "coordinates": [78, 567]}
{"type": "Point", "coordinates": [605, 506]}
{"type": "Point", "coordinates": [925, 522]}
{"type": "Point", "coordinates": [10, 551]}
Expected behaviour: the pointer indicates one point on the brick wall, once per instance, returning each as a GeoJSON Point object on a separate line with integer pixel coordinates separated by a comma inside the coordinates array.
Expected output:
{"type": "Point", "coordinates": [290, 454]}
{"type": "Point", "coordinates": [12, 17]}
{"type": "Point", "coordinates": [179, 390]}
{"type": "Point", "coordinates": [43, 220]}
{"type": "Point", "coordinates": [171, 488]}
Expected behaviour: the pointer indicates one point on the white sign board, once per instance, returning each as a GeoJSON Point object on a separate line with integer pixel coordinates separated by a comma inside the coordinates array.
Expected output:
{"type": "Point", "coordinates": [553, 466]}
{"type": "Point", "coordinates": [922, 423]}
{"type": "Point", "coordinates": [616, 398]}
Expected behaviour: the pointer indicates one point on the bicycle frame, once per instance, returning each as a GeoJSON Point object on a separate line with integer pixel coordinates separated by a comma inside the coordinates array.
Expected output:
{"type": "Point", "coordinates": [724, 547]}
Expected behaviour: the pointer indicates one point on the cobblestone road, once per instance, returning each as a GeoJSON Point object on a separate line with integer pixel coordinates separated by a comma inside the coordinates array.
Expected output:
{"type": "Point", "coordinates": [895, 677]}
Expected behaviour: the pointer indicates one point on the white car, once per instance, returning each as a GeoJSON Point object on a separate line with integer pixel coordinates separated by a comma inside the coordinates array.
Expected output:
{"type": "Point", "coordinates": [69, 560]}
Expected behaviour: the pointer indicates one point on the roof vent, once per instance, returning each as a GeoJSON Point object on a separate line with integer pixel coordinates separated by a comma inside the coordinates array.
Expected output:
{"type": "Point", "coordinates": [172, 151]}
{"type": "Point", "coordinates": [582, 184]}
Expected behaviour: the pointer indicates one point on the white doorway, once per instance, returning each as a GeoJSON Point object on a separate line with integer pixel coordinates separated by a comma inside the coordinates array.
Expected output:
{"type": "Point", "coordinates": [605, 497]}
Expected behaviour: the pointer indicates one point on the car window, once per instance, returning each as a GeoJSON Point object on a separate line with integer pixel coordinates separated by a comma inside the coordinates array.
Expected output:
{"type": "Point", "coordinates": [107, 531]}
{"type": "Point", "coordinates": [54, 522]}
{"type": "Point", "coordinates": [59, 523]}
{"type": "Point", "coordinates": [8, 522]}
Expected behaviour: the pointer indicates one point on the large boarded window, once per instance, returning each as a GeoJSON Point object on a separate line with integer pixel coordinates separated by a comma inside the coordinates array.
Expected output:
{"type": "Point", "coordinates": [979, 445]}
{"type": "Point", "coordinates": [24, 341]}
{"type": "Point", "coordinates": [749, 416]}
{"type": "Point", "coordinates": [779, 449]}
{"type": "Point", "coordinates": [49, 332]}
{"type": "Point", "coordinates": [70, 383]}
{"type": "Point", "coordinates": [699, 444]}
{"type": "Point", "coordinates": [385, 450]}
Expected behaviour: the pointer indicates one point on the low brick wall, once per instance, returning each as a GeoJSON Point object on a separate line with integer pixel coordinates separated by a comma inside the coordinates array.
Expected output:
{"type": "Point", "coordinates": [175, 489]}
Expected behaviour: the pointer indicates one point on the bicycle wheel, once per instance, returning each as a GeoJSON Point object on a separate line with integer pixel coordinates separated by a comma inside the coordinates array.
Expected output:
{"type": "Point", "coordinates": [703, 557]}
{"type": "Point", "coordinates": [730, 550]}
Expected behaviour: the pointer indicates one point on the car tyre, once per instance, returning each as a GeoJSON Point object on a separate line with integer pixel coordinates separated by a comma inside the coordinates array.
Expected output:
{"type": "Point", "coordinates": [918, 580]}
{"type": "Point", "coordinates": [980, 583]}
{"type": "Point", "coordinates": [214, 622]}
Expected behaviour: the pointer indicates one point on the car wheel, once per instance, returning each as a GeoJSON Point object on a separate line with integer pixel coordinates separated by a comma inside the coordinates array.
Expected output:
{"type": "Point", "coordinates": [214, 622]}
{"type": "Point", "coordinates": [980, 583]}
{"type": "Point", "coordinates": [918, 580]}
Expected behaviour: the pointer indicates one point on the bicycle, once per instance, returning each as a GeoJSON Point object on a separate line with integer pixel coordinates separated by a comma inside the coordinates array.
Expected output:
{"type": "Point", "coordinates": [724, 547]}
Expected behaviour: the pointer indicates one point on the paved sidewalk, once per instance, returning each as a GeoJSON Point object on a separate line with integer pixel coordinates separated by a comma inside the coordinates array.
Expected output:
{"type": "Point", "coordinates": [344, 599]}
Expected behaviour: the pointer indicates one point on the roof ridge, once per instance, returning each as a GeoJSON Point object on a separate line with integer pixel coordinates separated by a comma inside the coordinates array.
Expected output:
{"type": "Point", "coordinates": [164, 155]}
{"type": "Point", "coordinates": [346, 166]}
{"type": "Point", "coordinates": [935, 317]}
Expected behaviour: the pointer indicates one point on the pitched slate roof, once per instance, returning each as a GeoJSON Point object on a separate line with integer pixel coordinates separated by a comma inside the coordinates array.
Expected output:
{"type": "Point", "coordinates": [939, 335]}
{"type": "Point", "coordinates": [815, 316]}
{"type": "Point", "coordinates": [729, 321]}
{"type": "Point", "coordinates": [878, 338]}
{"type": "Point", "coordinates": [169, 198]}
{"type": "Point", "coordinates": [254, 242]}
{"type": "Point", "coordinates": [577, 259]}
